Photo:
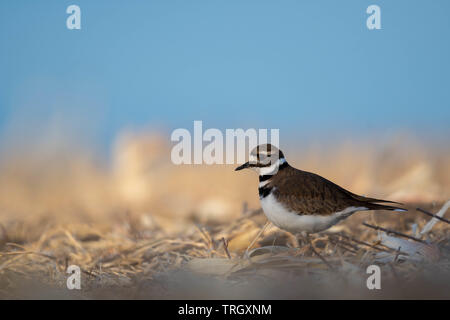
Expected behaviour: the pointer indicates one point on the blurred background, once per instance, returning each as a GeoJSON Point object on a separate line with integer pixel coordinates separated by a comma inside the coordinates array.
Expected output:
{"type": "Point", "coordinates": [86, 115]}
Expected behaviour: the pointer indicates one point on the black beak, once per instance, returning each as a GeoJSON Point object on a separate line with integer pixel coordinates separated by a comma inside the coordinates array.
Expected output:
{"type": "Point", "coordinates": [244, 166]}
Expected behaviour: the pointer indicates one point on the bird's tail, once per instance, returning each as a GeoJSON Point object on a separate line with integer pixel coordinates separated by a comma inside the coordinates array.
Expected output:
{"type": "Point", "coordinates": [376, 206]}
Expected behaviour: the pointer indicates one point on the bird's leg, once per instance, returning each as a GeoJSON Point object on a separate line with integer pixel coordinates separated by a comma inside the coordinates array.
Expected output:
{"type": "Point", "coordinates": [305, 238]}
{"type": "Point", "coordinates": [304, 244]}
{"type": "Point", "coordinates": [309, 243]}
{"type": "Point", "coordinates": [315, 252]}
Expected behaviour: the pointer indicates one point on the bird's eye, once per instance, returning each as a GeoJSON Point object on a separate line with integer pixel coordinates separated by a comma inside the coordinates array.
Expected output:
{"type": "Point", "coordinates": [265, 159]}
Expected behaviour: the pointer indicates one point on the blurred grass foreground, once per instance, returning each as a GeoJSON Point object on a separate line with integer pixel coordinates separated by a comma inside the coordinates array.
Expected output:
{"type": "Point", "coordinates": [142, 227]}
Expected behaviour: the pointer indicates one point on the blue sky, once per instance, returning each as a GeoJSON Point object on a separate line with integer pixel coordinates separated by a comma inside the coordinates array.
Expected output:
{"type": "Point", "coordinates": [309, 68]}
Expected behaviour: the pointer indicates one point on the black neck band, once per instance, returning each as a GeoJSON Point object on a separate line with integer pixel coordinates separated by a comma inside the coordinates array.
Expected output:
{"type": "Point", "coordinates": [264, 191]}
{"type": "Point", "coordinates": [265, 177]}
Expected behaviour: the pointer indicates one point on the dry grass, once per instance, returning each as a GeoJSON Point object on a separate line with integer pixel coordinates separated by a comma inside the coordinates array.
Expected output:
{"type": "Point", "coordinates": [143, 228]}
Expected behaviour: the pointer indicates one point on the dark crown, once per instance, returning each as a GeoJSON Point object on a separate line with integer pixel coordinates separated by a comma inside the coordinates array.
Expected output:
{"type": "Point", "coordinates": [266, 150]}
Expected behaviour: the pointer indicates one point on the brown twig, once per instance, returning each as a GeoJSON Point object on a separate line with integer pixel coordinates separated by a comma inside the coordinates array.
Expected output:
{"type": "Point", "coordinates": [397, 254]}
{"type": "Point", "coordinates": [433, 215]}
{"type": "Point", "coordinates": [320, 256]}
{"type": "Point", "coordinates": [225, 245]}
{"type": "Point", "coordinates": [206, 236]}
{"type": "Point", "coordinates": [344, 245]}
{"type": "Point", "coordinates": [308, 240]}
{"type": "Point", "coordinates": [363, 243]}
{"type": "Point", "coordinates": [393, 232]}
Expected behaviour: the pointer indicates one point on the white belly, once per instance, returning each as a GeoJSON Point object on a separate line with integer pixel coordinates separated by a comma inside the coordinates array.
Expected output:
{"type": "Point", "coordinates": [294, 223]}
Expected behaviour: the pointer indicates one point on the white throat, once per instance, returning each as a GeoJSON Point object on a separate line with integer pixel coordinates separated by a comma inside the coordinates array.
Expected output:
{"type": "Point", "coordinates": [273, 169]}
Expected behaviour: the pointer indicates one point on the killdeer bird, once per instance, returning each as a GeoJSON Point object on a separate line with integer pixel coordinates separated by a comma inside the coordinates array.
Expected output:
{"type": "Point", "coordinates": [303, 202]}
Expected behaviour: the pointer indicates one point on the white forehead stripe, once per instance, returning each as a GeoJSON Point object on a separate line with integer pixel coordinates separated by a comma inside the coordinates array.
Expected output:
{"type": "Point", "coordinates": [266, 152]}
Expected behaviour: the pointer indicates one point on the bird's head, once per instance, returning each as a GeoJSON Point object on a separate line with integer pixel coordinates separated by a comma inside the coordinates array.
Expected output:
{"type": "Point", "coordinates": [265, 159]}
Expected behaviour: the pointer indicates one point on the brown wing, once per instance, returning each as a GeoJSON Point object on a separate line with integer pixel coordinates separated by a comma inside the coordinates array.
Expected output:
{"type": "Point", "coordinates": [308, 193]}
